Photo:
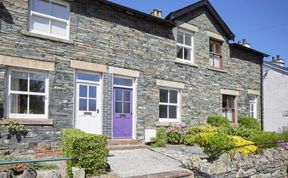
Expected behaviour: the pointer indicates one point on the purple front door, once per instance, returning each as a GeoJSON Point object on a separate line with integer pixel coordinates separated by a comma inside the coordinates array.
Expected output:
{"type": "Point", "coordinates": [122, 115]}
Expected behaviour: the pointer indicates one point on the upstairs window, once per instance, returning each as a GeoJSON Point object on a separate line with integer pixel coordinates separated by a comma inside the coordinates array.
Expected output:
{"type": "Point", "coordinates": [215, 59]}
{"type": "Point", "coordinates": [49, 17]}
{"type": "Point", "coordinates": [185, 45]}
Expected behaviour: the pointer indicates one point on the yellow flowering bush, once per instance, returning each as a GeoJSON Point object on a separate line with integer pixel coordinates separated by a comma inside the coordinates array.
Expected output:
{"type": "Point", "coordinates": [239, 141]}
{"type": "Point", "coordinates": [190, 136]}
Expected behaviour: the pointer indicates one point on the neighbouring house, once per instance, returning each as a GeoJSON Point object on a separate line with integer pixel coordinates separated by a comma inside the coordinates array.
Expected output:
{"type": "Point", "coordinates": [109, 69]}
{"type": "Point", "coordinates": [275, 85]}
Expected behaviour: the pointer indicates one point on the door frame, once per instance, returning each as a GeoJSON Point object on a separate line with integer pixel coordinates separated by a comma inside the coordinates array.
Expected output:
{"type": "Point", "coordinates": [234, 111]}
{"type": "Point", "coordinates": [134, 103]}
{"type": "Point", "coordinates": [100, 83]}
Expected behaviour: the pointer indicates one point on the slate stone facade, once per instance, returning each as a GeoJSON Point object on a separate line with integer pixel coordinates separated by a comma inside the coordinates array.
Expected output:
{"type": "Point", "coordinates": [101, 35]}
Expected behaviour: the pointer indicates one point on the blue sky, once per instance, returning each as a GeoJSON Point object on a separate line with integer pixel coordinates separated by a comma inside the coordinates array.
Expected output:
{"type": "Point", "coordinates": [264, 23]}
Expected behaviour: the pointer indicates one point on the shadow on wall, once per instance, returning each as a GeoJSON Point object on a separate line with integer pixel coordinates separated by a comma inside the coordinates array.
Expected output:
{"type": "Point", "coordinates": [1, 110]}
{"type": "Point", "coordinates": [5, 16]}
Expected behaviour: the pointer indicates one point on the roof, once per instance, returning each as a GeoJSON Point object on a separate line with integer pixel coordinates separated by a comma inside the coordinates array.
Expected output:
{"type": "Point", "coordinates": [239, 46]}
{"type": "Point", "coordinates": [203, 3]}
{"type": "Point", "coordinates": [137, 13]}
{"type": "Point", "coordinates": [275, 67]}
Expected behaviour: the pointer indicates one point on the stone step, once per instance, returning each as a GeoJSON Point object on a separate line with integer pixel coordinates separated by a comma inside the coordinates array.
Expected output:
{"type": "Point", "coordinates": [170, 174]}
{"type": "Point", "coordinates": [126, 147]}
{"type": "Point", "coordinates": [123, 142]}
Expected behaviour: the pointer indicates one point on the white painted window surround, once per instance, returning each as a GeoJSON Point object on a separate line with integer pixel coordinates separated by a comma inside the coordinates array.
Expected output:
{"type": "Point", "coordinates": [185, 45]}
{"type": "Point", "coordinates": [169, 105]}
{"type": "Point", "coordinates": [253, 107]}
{"type": "Point", "coordinates": [28, 94]}
{"type": "Point", "coordinates": [50, 18]}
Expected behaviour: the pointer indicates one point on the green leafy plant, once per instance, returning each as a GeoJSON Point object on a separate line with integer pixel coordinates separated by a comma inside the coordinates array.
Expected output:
{"type": "Point", "coordinates": [249, 123]}
{"type": "Point", "coordinates": [90, 151]}
{"type": "Point", "coordinates": [175, 134]}
{"type": "Point", "coordinates": [234, 130]}
{"type": "Point", "coordinates": [191, 133]}
{"type": "Point", "coordinates": [217, 121]}
{"type": "Point", "coordinates": [266, 137]}
{"type": "Point", "coordinates": [14, 128]}
{"type": "Point", "coordinates": [161, 138]}
{"type": "Point", "coordinates": [214, 144]}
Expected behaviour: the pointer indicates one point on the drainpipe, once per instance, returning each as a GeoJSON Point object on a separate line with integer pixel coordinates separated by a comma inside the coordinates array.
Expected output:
{"type": "Point", "coordinates": [262, 96]}
{"type": "Point", "coordinates": [1, 6]}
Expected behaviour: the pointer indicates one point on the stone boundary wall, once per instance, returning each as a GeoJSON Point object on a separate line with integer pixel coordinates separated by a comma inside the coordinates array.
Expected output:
{"type": "Point", "coordinates": [271, 163]}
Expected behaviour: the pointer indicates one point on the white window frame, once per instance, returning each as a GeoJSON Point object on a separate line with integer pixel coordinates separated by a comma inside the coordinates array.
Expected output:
{"type": "Point", "coordinates": [49, 17]}
{"type": "Point", "coordinates": [171, 104]}
{"type": "Point", "coordinates": [191, 48]}
{"type": "Point", "coordinates": [253, 107]}
{"type": "Point", "coordinates": [46, 94]}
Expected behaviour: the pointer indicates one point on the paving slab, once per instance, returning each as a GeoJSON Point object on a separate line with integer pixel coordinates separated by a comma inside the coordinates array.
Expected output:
{"type": "Point", "coordinates": [139, 162]}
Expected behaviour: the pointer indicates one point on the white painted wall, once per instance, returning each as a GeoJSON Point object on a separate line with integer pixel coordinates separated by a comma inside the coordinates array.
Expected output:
{"type": "Point", "coordinates": [275, 100]}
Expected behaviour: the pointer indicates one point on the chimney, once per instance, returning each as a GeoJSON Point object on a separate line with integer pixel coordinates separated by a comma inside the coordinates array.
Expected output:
{"type": "Point", "coordinates": [157, 13]}
{"type": "Point", "coordinates": [278, 61]}
{"type": "Point", "coordinates": [245, 43]}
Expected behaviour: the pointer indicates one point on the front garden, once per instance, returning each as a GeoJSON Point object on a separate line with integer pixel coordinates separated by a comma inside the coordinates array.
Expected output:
{"type": "Point", "coordinates": [219, 137]}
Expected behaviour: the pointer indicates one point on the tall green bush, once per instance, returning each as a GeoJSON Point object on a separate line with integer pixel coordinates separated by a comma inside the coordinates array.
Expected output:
{"type": "Point", "coordinates": [90, 151]}
{"type": "Point", "coordinates": [218, 121]}
{"type": "Point", "coordinates": [249, 123]}
{"type": "Point", "coordinates": [235, 130]}
{"type": "Point", "coordinates": [161, 138]}
{"type": "Point", "coordinates": [266, 137]}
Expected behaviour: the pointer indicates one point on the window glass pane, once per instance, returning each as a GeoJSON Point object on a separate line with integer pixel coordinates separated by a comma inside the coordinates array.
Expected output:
{"type": "Point", "coordinates": [123, 81]}
{"type": "Point", "coordinates": [217, 61]}
{"type": "Point", "coordinates": [188, 39]}
{"type": "Point", "coordinates": [58, 28]}
{"type": "Point", "coordinates": [126, 95]}
{"type": "Point", "coordinates": [163, 96]}
{"type": "Point", "coordinates": [230, 102]}
{"type": "Point", "coordinates": [218, 48]}
{"type": "Point", "coordinates": [172, 112]}
{"type": "Point", "coordinates": [92, 92]}
{"type": "Point", "coordinates": [41, 6]}
{"type": "Point", "coordinates": [118, 107]}
{"type": "Point", "coordinates": [59, 10]}
{"type": "Point", "coordinates": [187, 54]}
{"type": "Point", "coordinates": [40, 24]}
{"type": "Point", "coordinates": [163, 111]}
{"type": "Point", "coordinates": [126, 108]}
{"type": "Point", "coordinates": [92, 105]}
{"type": "Point", "coordinates": [211, 46]}
{"type": "Point", "coordinates": [211, 63]}
{"type": "Point", "coordinates": [179, 52]}
{"type": "Point", "coordinates": [173, 96]}
{"type": "Point", "coordinates": [88, 77]}
{"type": "Point", "coordinates": [118, 95]}
{"type": "Point", "coordinates": [83, 104]}
{"type": "Point", "coordinates": [83, 91]}
{"type": "Point", "coordinates": [18, 104]}
{"type": "Point", "coordinates": [37, 82]}
{"type": "Point", "coordinates": [19, 81]}
{"type": "Point", "coordinates": [180, 37]}
{"type": "Point", "coordinates": [37, 105]}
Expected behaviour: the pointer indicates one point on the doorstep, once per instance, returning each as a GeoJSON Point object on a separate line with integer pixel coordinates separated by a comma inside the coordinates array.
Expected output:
{"type": "Point", "coordinates": [170, 174]}
{"type": "Point", "coordinates": [125, 144]}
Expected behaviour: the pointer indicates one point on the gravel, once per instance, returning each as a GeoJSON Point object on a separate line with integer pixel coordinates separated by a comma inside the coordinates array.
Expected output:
{"type": "Point", "coordinates": [128, 163]}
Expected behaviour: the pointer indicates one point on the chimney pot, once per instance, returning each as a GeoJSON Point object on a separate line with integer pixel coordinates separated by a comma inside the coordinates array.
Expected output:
{"type": "Point", "coordinates": [278, 56]}
{"type": "Point", "coordinates": [157, 13]}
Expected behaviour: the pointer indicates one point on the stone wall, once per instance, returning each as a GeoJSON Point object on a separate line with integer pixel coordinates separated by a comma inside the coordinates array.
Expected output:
{"type": "Point", "coordinates": [99, 34]}
{"type": "Point", "coordinates": [271, 163]}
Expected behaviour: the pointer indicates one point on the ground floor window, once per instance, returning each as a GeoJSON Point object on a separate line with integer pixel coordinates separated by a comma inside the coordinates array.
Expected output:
{"type": "Point", "coordinates": [228, 105]}
{"type": "Point", "coordinates": [253, 107]}
{"type": "Point", "coordinates": [169, 105]}
{"type": "Point", "coordinates": [27, 94]}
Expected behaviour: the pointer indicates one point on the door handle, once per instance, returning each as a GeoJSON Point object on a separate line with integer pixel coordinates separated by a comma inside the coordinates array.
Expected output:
{"type": "Point", "coordinates": [97, 110]}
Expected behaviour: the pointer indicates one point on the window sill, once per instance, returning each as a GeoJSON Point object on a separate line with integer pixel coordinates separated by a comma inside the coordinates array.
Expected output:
{"type": "Point", "coordinates": [40, 122]}
{"type": "Point", "coordinates": [179, 61]}
{"type": "Point", "coordinates": [46, 37]}
{"type": "Point", "coordinates": [216, 69]}
{"type": "Point", "coordinates": [167, 124]}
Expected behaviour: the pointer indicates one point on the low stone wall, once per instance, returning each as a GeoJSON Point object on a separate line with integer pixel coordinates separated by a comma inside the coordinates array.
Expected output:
{"type": "Point", "coordinates": [271, 163]}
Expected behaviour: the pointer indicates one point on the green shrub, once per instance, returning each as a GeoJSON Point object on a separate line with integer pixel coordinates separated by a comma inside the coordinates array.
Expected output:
{"type": "Point", "coordinates": [214, 144]}
{"type": "Point", "coordinates": [161, 138]}
{"type": "Point", "coordinates": [175, 134]}
{"type": "Point", "coordinates": [218, 121]}
{"type": "Point", "coordinates": [189, 138]}
{"type": "Point", "coordinates": [234, 130]}
{"type": "Point", "coordinates": [266, 137]}
{"type": "Point", "coordinates": [249, 123]}
{"type": "Point", "coordinates": [90, 151]}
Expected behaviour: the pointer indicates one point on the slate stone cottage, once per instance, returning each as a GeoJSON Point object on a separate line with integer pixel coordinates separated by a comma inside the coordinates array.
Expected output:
{"type": "Point", "coordinates": [109, 69]}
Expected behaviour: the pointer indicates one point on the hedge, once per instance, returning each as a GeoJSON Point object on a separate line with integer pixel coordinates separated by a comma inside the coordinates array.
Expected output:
{"type": "Point", "coordinates": [249, 123]}
{"type": "Point", "coordinates": [218, 121]}
{"type": "Point", "coordinates": [90, 151]}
